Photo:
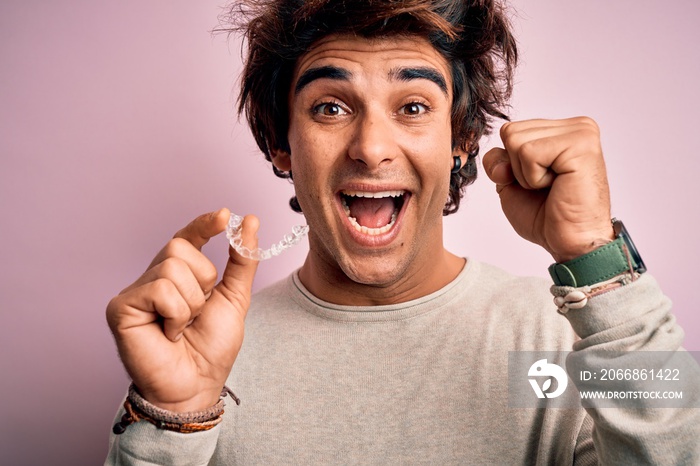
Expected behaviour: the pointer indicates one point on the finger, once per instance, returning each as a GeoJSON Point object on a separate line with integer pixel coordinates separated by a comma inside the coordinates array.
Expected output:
{"type": "Point", "coordinates": [508, 133]}
{"type": "Point", "coordinates": [539, 153]}
{"type": "Point", "coordinates": [497, 166]}
{"type": "Point", "coordinates": [179, 248]}
{"type": "Point", "coordinates": [519, 136]}
{"type": "Point", "coordinates": [535, 157]}
{"type": "Point", "coordinates": [144, 305]}
{"type": "Point", "coordinates": [541, 124]}
{"type": "Point", "coordinates": [180, 274]}
{"type": "Point", "coordinates": [515, 135]}
{"type": "Point", "coordinates": [204, 227]}
{"type": "Point", "coordinates": [237, 280]}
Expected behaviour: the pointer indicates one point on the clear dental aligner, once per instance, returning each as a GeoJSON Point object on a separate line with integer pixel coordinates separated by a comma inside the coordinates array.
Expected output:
{"type": "Point", "coordinates": [233, 233]}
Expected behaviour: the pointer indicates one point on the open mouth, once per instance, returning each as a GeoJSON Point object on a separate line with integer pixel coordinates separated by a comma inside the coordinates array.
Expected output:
{"type": "Point", "coordinates": [372, 213]}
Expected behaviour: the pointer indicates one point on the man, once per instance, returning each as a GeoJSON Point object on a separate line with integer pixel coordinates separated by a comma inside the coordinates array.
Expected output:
{"type": "Point", "coordinates": [384, 347]}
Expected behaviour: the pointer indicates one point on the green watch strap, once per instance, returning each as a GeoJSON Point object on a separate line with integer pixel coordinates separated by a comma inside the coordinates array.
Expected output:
{"type": "Point", "coordinates": [597, 266]}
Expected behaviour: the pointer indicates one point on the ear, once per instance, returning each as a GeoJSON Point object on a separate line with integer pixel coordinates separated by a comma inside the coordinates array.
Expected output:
{"type": "Point", "coordinates": [281, 160]}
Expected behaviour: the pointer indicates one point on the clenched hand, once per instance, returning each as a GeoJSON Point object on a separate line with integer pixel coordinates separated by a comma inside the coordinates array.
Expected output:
{"type": "Point", "coordinates": [552, 182]}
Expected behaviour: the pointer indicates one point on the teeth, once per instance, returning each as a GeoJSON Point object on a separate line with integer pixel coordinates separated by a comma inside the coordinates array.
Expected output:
{"type": "Point", "coordinates": [345, 206]}
{"type": "Point", "coordinates": [377, 195]}
{"type": "Point", "coordinates": [373, 231]}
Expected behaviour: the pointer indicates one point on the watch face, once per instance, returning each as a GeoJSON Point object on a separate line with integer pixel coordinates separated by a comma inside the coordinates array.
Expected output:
{"type": "Point", "coordinates": [621, 232]}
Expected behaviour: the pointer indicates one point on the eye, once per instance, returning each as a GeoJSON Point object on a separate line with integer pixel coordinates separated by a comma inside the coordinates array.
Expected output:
{"type": "Point", "coordinates": [413, 109]}
{"type": "Point", "coordinates": [329, 109]}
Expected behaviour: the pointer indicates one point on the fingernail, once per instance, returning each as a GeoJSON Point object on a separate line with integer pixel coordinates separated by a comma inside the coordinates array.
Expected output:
{"type": "Point", "coordinates": [178, 337]}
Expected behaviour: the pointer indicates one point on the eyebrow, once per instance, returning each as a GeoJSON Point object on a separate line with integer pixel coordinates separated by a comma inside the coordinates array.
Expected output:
{"type": "Point", "coordinates": [327, 72]}
{"type": "Point", "coordinates": [423, 72]}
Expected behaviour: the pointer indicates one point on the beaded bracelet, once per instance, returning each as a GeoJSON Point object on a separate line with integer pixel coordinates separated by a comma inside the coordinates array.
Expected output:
{"type": "Point", "coordinates": [139, 409]}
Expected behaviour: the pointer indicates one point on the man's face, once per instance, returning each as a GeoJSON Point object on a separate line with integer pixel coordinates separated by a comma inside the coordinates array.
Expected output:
{"type": "Point", "coordinates": [370, 140]}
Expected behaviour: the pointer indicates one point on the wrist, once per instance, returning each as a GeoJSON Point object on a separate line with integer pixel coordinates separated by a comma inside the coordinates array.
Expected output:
{"type": "Point", "coordinates": [581, 250]}
{"type": "Point", "coordinates": [588, 244]}
{"type": "Point", "coordinates": [600, 264]}
{"type": "Point", "coordinates": [201, 401]}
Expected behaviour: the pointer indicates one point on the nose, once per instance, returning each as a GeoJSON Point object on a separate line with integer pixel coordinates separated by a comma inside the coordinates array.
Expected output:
{"type": "Point", "coordinates": [373, 141]}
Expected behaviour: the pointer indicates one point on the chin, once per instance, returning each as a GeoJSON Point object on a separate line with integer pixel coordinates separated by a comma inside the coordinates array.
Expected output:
{"type": "Point", "coordinates": [376, 271]}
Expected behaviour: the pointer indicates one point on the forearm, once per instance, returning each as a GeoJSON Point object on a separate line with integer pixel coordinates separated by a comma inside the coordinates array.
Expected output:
{"type": "Point", "coordinates": [636, 317]}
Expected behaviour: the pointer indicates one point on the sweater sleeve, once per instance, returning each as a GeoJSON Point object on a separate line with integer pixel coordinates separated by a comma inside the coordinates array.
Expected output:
{"type": "Point", "coordinates": [636, 317]}
{"type": "Point", "coordinates": [142, 444]}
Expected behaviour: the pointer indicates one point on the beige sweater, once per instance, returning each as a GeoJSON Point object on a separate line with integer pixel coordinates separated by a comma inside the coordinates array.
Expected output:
{"type": "Point", "coordinates": [425, 382]}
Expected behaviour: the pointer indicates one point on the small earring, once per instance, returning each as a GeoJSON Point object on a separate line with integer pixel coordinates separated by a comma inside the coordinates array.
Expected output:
{"type": "Point", "coordinates": [457, 164]}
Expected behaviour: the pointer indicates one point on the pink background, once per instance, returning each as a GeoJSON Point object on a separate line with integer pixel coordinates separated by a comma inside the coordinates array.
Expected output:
{"type": "Point", "coordinates": [117, 127]}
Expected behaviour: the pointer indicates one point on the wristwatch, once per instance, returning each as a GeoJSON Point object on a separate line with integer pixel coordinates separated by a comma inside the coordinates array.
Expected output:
{"type": "Point", "coordinates": [600, 264]}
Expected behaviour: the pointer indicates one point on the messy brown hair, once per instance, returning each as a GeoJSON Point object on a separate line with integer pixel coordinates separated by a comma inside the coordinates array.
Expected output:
{"type": "Point", "coordinates": [473, 35]}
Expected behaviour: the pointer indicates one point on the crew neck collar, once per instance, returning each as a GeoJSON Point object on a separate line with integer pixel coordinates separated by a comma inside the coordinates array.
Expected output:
{"type": "Point", "coordinates": [405, 310]}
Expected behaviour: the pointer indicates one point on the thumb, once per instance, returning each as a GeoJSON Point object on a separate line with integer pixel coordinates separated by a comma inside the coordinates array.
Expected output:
{"type": "Point", "coordinates": [237, 280]}
{"type": "Point", "coordinates": [497, 166]}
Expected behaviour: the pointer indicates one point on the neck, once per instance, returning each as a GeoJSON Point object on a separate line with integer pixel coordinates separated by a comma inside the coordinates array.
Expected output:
{"type": "Point", "coordinates": [326, 280]}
